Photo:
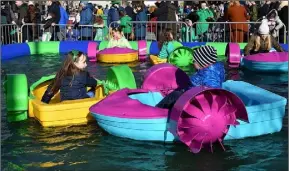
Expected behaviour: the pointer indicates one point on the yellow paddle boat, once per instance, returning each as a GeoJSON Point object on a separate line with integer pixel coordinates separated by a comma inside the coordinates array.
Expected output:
{"type": "Point", "coordinates": [58, 113]}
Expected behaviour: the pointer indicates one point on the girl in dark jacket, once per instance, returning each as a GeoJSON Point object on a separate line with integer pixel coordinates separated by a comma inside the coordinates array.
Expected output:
{"type": "Point", "coordinates": [71, 80]}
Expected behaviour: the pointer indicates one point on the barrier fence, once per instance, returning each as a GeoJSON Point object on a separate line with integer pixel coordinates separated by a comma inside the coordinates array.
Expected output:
{"type": "Point", "coordinates": [137, 30]}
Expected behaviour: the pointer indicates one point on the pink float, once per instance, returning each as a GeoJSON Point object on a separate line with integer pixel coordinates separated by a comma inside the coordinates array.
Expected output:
{"type": "Point", "coordinates": [202, 116]}
{"type": "Point", "coordinates": [234, 55]}
{"type": "Point", "coordinates": [142, 50]}
{"type": "Point", "coordinates": [165, 78]}
{"type": "Point", "coordinates": [268, 57]}
{"type": "Point", "coordinates": [267, 62]}
{"type": "Point", "coordinates": [92, 51]}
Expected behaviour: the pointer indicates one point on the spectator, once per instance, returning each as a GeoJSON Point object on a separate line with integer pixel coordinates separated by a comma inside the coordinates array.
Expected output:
{"type": "Point", "coordinates": [253, 10]}
{"type": "Point", "coordinates": [274, 23]}
{"type": "Point", "coordinates": [237, 13]}
{"type": "Point", "coordinates": [140, 28]}
{"type": "Point", "coordinates": [125, 23]}
{"type": "Point", "coordinates": [63, 21]}
{"type": "Point", "coordinates": [22, 19]}
{"type": "Point", "coordinates": [205, 15]}
{"type": "Point", "coordinates": [99, 11]}
{"type": "Point", "coordinates": [54, 11]}
{"type": "Point", "coordinates": [283, 14]}
{"type": "Point", "coordinates": [129, 11]}
{"type": "Point", "coordinates": [113, 14]}
{"type": "Point", "coordinates": [86, 19]}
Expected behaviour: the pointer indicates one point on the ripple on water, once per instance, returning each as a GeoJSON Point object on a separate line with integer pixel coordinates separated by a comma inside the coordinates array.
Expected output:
{"type": "Point", "coordinates": [28, 146]}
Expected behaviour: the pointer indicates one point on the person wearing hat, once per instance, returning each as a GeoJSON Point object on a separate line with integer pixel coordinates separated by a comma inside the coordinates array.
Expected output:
{"type": "Point", "coordinates": [210, 73]}
{"type": "Point", "coordinates": [262, 42]}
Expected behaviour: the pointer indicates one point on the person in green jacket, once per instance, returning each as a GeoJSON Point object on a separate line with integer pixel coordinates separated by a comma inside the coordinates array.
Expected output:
{"type": "Point", "coordinates": [205, 15]}
{"type": "Point", "coordinates": [125, 23]}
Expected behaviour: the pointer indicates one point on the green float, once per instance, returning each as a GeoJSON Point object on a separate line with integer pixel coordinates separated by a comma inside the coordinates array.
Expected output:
{"type": "Point", "coordinates": [44, 47]}
{"type": "Point", "coordinates": [15, 87]}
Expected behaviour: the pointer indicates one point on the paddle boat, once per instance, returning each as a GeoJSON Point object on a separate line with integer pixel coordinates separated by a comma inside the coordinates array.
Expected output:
{"type": "Point", "coordinates": [266, 62]}
{"type": "Point", "coordinates": [200, 117]}
{"type": "Point", "coordinates": [261, 62]}
{"type": "Point", "coordinates": [58, 113]}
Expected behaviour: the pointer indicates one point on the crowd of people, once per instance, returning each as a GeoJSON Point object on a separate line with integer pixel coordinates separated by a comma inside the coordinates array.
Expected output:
{"type": "Point", "coordinates": [139, 22]}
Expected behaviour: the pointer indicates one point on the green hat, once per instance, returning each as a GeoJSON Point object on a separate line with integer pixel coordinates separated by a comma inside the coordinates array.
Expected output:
{"type": "Point", "coordinates": [115, 2]}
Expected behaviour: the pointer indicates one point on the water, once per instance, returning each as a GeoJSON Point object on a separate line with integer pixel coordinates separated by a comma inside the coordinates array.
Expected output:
{"type": "Point", "coordinates": [28, 146]}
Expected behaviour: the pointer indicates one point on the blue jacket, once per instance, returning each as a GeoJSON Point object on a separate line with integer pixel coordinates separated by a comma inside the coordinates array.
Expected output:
{"type": "Point", "coordinates": [63, 17]}
{"type": "Point", "coordinates": [212, 76]}
{"type": "Point", "coordinates": [72, 88]}
{"type": "Point", "coordinates": [140, 29]}
{"type": "Point", "coordinates": [112, 16]}
{"type": "Point", "coordinates": [86, 18]}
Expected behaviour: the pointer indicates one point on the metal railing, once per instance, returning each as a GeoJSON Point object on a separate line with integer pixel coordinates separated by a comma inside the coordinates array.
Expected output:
{"type": "Point", "coordinates": [227, 32]}
{"type": "Point", "coordinates": [10, 33]}
{"type": "Point", "coordinates": [142, 30]}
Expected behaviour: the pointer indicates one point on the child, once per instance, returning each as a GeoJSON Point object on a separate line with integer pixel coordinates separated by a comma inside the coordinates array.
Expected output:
{"type": "Point", "coordinates": [72, 34]}
{"type": "Point", "coordinates": [210, 73]}
{"type": "Point", "coordinates": [98, 26]}
{"type": "Point", "coordinates": [71, 80]}
{"type": "Point", "coordinates": [167, 44]}
{"type": "Point", "coordinates": [262, 42]}
{"type": "Point", "coordinates": [118, 40]}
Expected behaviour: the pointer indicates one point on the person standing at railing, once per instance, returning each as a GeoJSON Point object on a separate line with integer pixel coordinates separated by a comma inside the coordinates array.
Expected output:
{"type": "Point", "coordinates": [165, 12]}
{"type": "Point", "coordinates": [62, 22]}
{"type": "Point", "coordinates": [86, 18]}
{"type": "Point", "coordinates": [237, 13]}
{"type": "Point", "coordinates": [274, 22]}
{"type": "Point", "coordinates": [129, 11]}
{"type": "Point", "coordinates": [22, 19]}
{"type": "Point", "coordinates": [205, 15]}
{"type": "Point", "coordinates": [7, 17]}
{"type": "Point", "coordinates": [140, 28]}
{"type": "Point", "coordinates": [113, 14]}
{"type": "Point", "coordinates": [263, 42]}
{"type": "Point", "coordinates": [125, 23]}
{"type": "Point", "coordinates": [54, 12]}
{"type": "Point", "coordinates": [32, 19]}
{"type": "Point", "coordinates": [283, 14]}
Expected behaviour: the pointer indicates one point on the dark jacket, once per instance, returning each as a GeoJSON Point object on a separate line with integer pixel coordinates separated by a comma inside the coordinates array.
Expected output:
{"type": "Point", "coordinates": [22, 14]}
{"type": "Point", "coordinates": [129, 12]}
{"type": "Point", "coordinates": [72, 87]}
{"type": "Point", "coordinates": [161, 12]}
{"type": "Point", "coordinates": [54, 11]}
{"type": "Point", "coordinates": [112, 16]}
{"type": "Point", "coordinates": [86, 18]}
{"type": "Point", "coordinates": [249, 48]}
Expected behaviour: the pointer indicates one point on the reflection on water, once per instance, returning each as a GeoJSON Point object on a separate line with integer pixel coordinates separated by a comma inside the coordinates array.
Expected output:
{"type": "Point", "coordinates": [28, 146]}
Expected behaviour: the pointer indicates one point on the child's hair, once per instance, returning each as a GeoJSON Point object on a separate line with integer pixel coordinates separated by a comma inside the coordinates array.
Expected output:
{"type": "Point", "coordinates": [268, 45]}
{"type": "Point", "coordinates": [166, 37]}
{"type": "Point", "coordinates": [67, 69]}
{"type": "Point", "coordinates": [98, 20]}
{"type": "Point", "coordinates": [117, 29]}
